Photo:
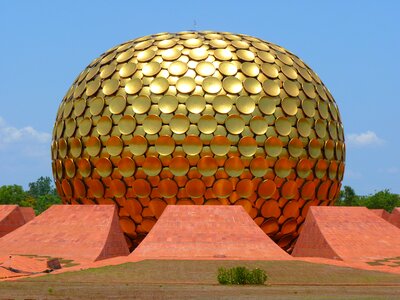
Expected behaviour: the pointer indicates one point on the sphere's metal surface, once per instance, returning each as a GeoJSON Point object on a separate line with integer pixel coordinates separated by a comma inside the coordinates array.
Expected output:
{"type": "Point", "coordinates": [199, 118]}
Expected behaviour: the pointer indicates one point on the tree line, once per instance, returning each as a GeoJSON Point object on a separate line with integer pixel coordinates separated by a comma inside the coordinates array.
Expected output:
{"type": "Point", "coordinates": [42, 194]}
{"type": "Point", "coordinates": [381, 199]}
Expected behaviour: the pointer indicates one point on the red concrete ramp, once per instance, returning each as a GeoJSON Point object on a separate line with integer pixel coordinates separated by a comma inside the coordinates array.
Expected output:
{"type": "Point", "coordinates": [83, 233]}
{"type": "Point", "coordinates": [394, 217]}
{"type": "Point", "coordinates": [347, 233]}
{"type": "Point", "coordinates": [28, 213]}
{"type": "Point", "coordinates": [207, 232]}
{"type": "Point", "coordinates": [11, 217]}
{"type": "Point", "coordinates": [381, 213]}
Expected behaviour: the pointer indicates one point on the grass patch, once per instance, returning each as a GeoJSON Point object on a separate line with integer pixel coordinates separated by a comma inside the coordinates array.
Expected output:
{"type": "Point", "coordinates": [241, 275]}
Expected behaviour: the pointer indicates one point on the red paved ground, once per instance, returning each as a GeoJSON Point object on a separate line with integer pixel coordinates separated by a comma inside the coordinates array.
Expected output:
{"type": "Point", "coordinates": [83, 233]}
{"type": "Point", "coordinates": [207, 232]}
{"type": "Point", "coordinates": [394, 217]}
{"type": "Point", "coordinates": [347, 233]}
{"type": "Point", "coordinates": [11, 217]}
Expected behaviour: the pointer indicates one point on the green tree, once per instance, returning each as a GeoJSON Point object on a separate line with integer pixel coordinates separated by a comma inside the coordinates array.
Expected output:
{"type": "Point", "coordinates": [348, 197]}
{"type": "Point", "coordinates": [42, 186]}
{"type": "Point", "coordinates": [382, 199]}
{"type": "Point", "coordinates": [12, 194]}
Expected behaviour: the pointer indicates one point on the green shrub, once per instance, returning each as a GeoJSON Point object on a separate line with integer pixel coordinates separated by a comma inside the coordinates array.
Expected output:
{"type": "Point", "coordinates": [241, 275]}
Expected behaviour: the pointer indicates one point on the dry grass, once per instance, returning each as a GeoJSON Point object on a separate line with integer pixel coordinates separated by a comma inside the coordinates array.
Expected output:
{"type": "Point", "coordinates": [198, 280]}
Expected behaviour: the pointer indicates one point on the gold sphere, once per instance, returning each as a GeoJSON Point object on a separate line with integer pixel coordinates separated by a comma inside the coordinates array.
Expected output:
{"type": "Point", "coordinates": [204, 118]}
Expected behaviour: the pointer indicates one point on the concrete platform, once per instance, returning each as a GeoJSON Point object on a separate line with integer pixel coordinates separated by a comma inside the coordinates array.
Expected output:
{"type": "Point", "coordinates": [347, 233]}
{"type": "Point", "coordinates": [207, 232]}
{"type": "Point", "coordinates": [82, 233]}
{"type": "Point", "coordinates": [13, 217]}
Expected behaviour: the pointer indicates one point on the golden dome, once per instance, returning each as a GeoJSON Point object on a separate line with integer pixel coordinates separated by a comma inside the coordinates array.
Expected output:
{"type": "Point", "coordinates": [205, 118]}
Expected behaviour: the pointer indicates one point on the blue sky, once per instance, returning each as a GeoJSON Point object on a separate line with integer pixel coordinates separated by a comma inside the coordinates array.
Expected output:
{"type": "Point", "coordinates": [354, 46]}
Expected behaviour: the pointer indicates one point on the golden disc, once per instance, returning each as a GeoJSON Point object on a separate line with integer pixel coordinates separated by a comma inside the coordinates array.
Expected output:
{"type": "Point", "coordinates": [75, 147]}
{"type": "Point", "coordinates": [165, 145]}
{"type": "Point", "coordinates": [152, 124]}
{"type": "Point", "coordinates": [159, 85]}
{"type": "Point", "coordinates": [295, 147]}
{"type": "Point", "coordinates": [195, 188]}
{"type": "Point", "coordinates": [235, 124]}
{"type": "Point", "coordinates": [289, 106]}
{"type": "Point", "coordinates": [283, 126]}
{"type": "Point", "coordinates": [167, 188]}
{"type": "Point", "coordinates": [179, 124]}
{"type": "Point", "coordinates": [267, 105]}
{"type": "Point", "coordinates": [222, 188]}
{"type": "Point", "coordinates": [185, 85]}
{"type": "Point", "coordinates": [142, 188]}
{"type": "Point", "coordinates": [227, 69]}
{"type": "Point", "coordinates": [110, 86]}
{"type": "Point", "coordinates": [195, 104]}
{"type": "Point", "coordinates": [234, 166]}
{"type": "Point", "coordinates": [245, 104]}
{"type": "Point", "coordinates": [212, 85]}
{"type": "Point", "coordinates": [304, 127]}
{"type": "Point", "coordinates": [93, 146]}
{"type": "Point", "coordinates": [138, 145]}
{"type": "Point", "coordinates": [266, 189]}
{"type": "Point", "coordinates": [207, 124]}
{"type": "Point", "coordinates": [126, 166]}
{"type": "Point", "coordinates": [258, 125]}
{"type": "Point", "coordinates": [192, 145]}
{"type": "Point", "coordinates": [222, 104]}
{"type": "Point", "coordinates": [220, 145]}
{"type": "Point", "coordinates": [273, 146]}
{"type": "Point", "coordinates": [117, 104]}
{"type": "Point", "coordinates": [232, 85]}
{"type": "Point", "coordinates": [223, 54]}
{"type": "Point", "coordinates": [104, 125]}
{"type": "Point", "coordinates": [127, 124]}
{"type": "Point", "coordinates": [96, 106]}
{"type": "Point", "coordinates": [151, 69]}
{"type": "Point", "coordinates": [271, 88]}
{"type": "Point", "coordinates": [252, 86]}
{"type": "Point", "coordinates": [270, 70]}
{"type": "Point", "coordinates": [247, 146]}
{"type": "Point", "coordinates": [282, 167]}
{"type": "Point", "coordinates": [168, 104]}
{"type": "Point", "coordinates": [177, 68]}
{"type": "Point", "coordinates": [259, 166]}
{"type": "Point", "coordinates": [179, 166]}
{"type": "Point", "coordinates": [133, 86]}
{"type": "Point", "coordinates": [250, 69]}
{"type": "Point", "coordinates": [207, 166]}
{"type": "Point", "coordinates": [291, 88]}
{"type": "Point", "coordinates": [127, 69]}
{"type": "Point", "coordinates": [308, 106]}
{"type": "Point", "coordinates": [141, 104]}
{"type": "Point", "coordinates": [304, 168]}
{"type": "Point", "coordinates": [205, 69]}
{"type": "Point", "coordinates": [152, 166]}
{"type": "Point", "coordinates": [104, 167]}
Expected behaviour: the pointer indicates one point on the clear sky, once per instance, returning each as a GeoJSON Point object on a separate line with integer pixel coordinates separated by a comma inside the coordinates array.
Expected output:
{"type": "Point", "coordinates": [354, 46]}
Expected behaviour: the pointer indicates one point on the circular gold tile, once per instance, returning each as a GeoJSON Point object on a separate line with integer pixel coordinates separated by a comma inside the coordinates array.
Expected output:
{"type": "Point", "coordinates": [165, 145]}
{"type": "Point", "coordinates": [235, 124]}
{"type": "Point", "coordinates": [196, 104]}
{"type": "Point", "coordinates": [207, 124]}
{"type": "Point", "coordinates": [126, 166]}
{"type": "Point", "coordinates": [232, 85]}
{"type": "Point", "coordinates": [220, 145]}
{"type": "Point", "coordinates": [127, 124]}
{"type": "Point", "coordinates": [234, 166]}
{"type": "Point", "coordinates": [114, 145]}
{"type": "Point", "coordinates": [152, 124]}
{"type": "Point", "coordinates": [271, 88]}
{"type": "Point", "coordinates": [258, 125]}
{"type": "Point", "coordinates": [117, 104]}
{"type": "Point", "coordinates": [289, 106]}
{"type": "Point", "coordinates": [138, 145]}
{"type": "Point", "coordinates": [179, 124]}
{"type": "Point", "coordinates": [159, 85]}
{"type": "Point", "coordinates": [179, 166]}
{"type": "Point", "coordinates": [152, 166]}
{"type": "Point", "coordinates": [168, 104]}
{"type": "Point", "coordinates": [247, 146]}
{"type": "Point", "coordinates": [192, 145]}
{"type": "Point", "coordinates": [185, 85]}
{"type": "Point", "coordinates": [212, 85]}
{"type": "Point", "coordinates": [205, 69]}
{"type": "Point", "coordinates": [207, 166]}
{"type": "Point", "coordinates": [283, 126]}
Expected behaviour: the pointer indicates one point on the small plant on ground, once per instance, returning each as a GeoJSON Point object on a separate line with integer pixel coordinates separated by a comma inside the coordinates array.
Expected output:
{"type": "Point", "coordinates": [241, 275]}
